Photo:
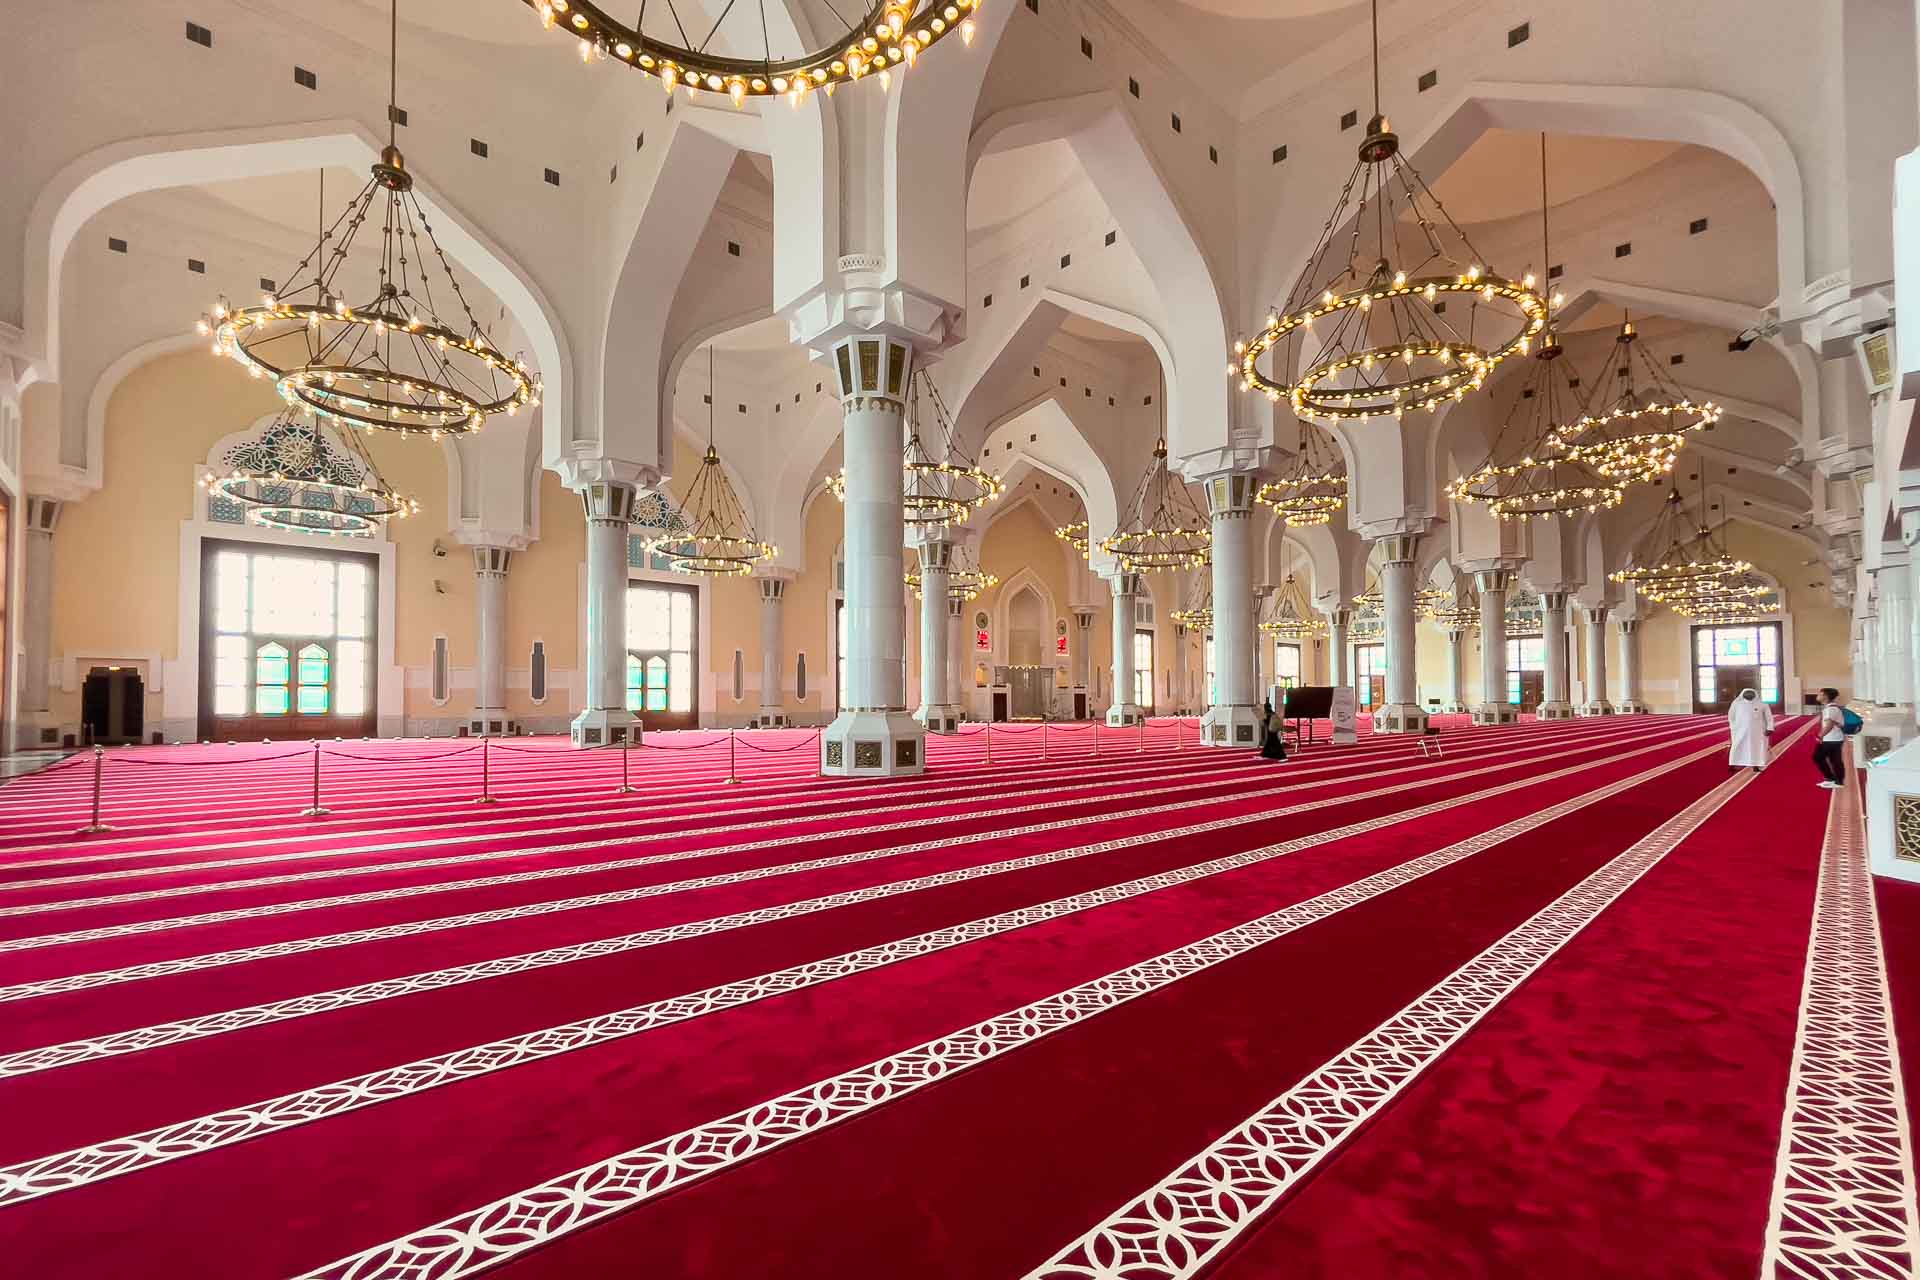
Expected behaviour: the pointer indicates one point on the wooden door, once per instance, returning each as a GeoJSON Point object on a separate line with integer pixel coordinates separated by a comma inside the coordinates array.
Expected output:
{"type": "Point", "coordinates": [1376, 691]}
{"type": "Point", "coordinates": [650, 692]}
{"type": "Point", "coordinates": [1727, 684]}
{"type": "Point", "coordinates": [1533, 689]}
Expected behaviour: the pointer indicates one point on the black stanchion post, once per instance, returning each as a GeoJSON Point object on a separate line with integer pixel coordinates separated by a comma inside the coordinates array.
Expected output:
{"type": "Point", "coordinates": [1043, 739]}
{"type": "Point", "coordinates": [989, 742]}
{"type": "Point", "coordinates": [626, 745]}
{"type": "Point", "coordinates": [99, 764]}
{"type": "Point", "coordinates": [1095, 725]}
{"type": "Point", "coordinates": [486, 778]}
{"type": "Point", "coordinates": [315, 810]}
{"type": "Point", "coordinates": [733, 774]}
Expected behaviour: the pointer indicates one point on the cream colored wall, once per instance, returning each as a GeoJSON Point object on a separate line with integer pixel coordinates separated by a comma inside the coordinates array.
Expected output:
{"type": "Point", "coordinates": [543, 603]}
{"type": "Point", "coordinates": [116, 555]}
{"type": "Point", "coordinates": [1021, 538]}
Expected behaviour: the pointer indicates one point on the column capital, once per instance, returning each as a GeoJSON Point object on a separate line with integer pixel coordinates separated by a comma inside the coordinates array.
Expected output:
{"type": "Point", "coordinates": [1339, 617]}
{"type": "Point", "coordinates": [43, 512]}
{"type": "Point", "coordinates": [864, 306]}
{"type": "Point", "coordinates": [1398, 548]}
{"type": "Point", "coordinates": [935, 556]}
{"type": "Point", "coordinates": [1629, 626]}
{"type": "Point", "coordinates": [1127, 584]}
{"type": "Point", "coordinates": [491, 562]}
{"type": "Point", "coordinates": [1496, 579]}
{"type": "Point", "coordinates": [480, 539]}
{"type": "Point", "coordinates": [773, 589]}
{"type": "Point", "coordinates": [1555, 599]}
{"type": "Point", "coordinates": [1230, 494]}
{"type": "Point", "coordinates": [956, 607]}
{"type": "Point", "coordinates": [1083, 616]}
{"type": "Point", "coordinates": [1597, 613]}
{"type": "Point", "coordinates": [608, 501]}
{"type": "Point", "coordinates": [1408, 526]}
{"type": "Point", "coordinates": [581, 472]}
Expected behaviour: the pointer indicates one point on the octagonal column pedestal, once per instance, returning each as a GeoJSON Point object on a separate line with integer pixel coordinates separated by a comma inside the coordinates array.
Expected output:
{"type": "Point", "coordinates": [1893, 810]}
{"type": "Point", "coordinates": [606, 720]}
{"type": "Point", "coordinates": [1494, 709]}
{"type": "Point", "coordinates": [1596, 703]}
{"type": "Point", "coordinates": [490, 616]}
{"type": "Point", "coordinates": [1126, 593]}
{"type": "Point", "coordinates": [1234, 718]}
{"type": "Point", "coordinates": [937, 713]}
{"type": "Point", "coordinates": [773, 662]}
{"type": "Point", "coordinates": [1457, 669]}
{"type": "Point", "coordinates": [1083, 615]}
{"type": "Point", "coordinates": [1631, 704]}
{"type": "Point", "coordinates": [874, 735]}
{"type": "Point", "coordinates": [1555, 704]}
{"type": "Point", "coordinates": [1402, 712]}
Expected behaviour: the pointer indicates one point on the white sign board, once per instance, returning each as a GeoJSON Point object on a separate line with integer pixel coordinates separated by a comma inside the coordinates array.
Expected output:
{"type": "Point", "coordinates": [1345, 709]}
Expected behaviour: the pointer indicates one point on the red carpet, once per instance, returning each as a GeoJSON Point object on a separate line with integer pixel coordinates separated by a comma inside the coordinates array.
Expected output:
{"type": "Point", "coordinates": [207, 1011]}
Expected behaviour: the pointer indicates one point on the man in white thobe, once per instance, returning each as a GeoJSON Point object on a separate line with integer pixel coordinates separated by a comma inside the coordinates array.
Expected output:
{"type": "Point", "coordinates": [1749, 721]}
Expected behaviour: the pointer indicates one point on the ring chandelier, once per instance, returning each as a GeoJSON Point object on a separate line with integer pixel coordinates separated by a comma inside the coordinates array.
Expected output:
{"type": "Point", "coordinates": [966, 580]}
{"type": "Point", "coordinates": [1460, 612]}
{"type": "Point", "coordinates": [1163, 527]}
{"type": "Point", "coordinates": [276, 478]}
{"type": "Point", "coordinates": [1528, 471]}
{"type": "Point", "coordinates": [1679, 566]}
{"type": "Point", "coordinates": [1425, 601]}
{"type": "Point", "coordinates": [1199, 615]}
{"type": "Point", "coordinates": [1076, 533]}
{"type": "Point", "coordinates": [1293, 618]}
{"type": "Point", "coordinates": [1313, 487]}
{"type": "Point", "coordinates": [1637, 434]}
{"type": "Point", "coordinates": [935, 491]}
{"type": "Point", "coordinates": [392, 362]}
{"type": "Point", "coordinates": [713, 536]}
{"type": "Point", "coordinates": [1372, 330]}
{"type": "Point", "coordinates": [890, 35]}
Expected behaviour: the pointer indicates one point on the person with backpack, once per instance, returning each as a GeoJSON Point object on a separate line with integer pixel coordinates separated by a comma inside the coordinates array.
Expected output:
{"type": "Point", "coordinates": [1837, 724]}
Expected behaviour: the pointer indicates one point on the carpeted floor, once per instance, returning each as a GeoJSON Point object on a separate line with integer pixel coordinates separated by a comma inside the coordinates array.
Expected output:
{"type": "Point", "coordinates": [1079, 1002]}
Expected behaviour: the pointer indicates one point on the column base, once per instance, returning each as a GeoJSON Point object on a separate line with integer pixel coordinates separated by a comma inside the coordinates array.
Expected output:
{"type": "Point", "coordinates": [941, 717]}
{"type": "Point", "coordinates": [604, 727]}
{"type": "Point", "coordinates": [1601, 708]}
{"type": "Point", "coordinates": [1554, 711]}
{"type": "Point", "coordinates": [1631, 708]}
{"type": "Point", "coordinates": [771, 718]}
{"type": "Point", "coordinates": [873, 744]}
{"type": "Point", "coordinates": [1886, 728]}
{"type": "Point", "coordinates": [1125, 714]}
{"type": "Point", "coordinates": [1454, 709]}
{"type": "Point", "coordinates": [490, 722]}
{"type": "Point", "coordinates": [1496, 713]}
{"type": "Point", "coordinates": [1400, 717]}
{"type": "Point", "coordinates": [1230, 726]}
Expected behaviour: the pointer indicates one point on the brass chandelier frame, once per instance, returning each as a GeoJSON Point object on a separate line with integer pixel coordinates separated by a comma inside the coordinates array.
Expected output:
{"type": "Point", "coordinates": [715, 539]}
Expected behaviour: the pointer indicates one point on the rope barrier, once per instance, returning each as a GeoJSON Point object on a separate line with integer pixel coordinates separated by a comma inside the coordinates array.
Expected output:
{"type": "Point", "coordinates": [443, 755]}
{"type": "Point", "coordinates": [776, 751]}
{"type": "Point", "coordinates": [199, 764]}
{"type": "Point", "coordinates": [698, 746]}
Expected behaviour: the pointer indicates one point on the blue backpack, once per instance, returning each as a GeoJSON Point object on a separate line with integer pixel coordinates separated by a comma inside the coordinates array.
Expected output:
{"type": "Point", "coordinates": [1850, 722]}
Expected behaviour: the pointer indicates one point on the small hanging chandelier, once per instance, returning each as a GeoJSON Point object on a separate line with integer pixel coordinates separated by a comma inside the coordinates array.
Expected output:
{"type": "Point", "coordinates": [1197, 616]}
{"type": "Point", "coordinates": [882, 38]}
{"type": "Point", "coordinates": [1682, 559]}
{"type": "Point", "coordinates": [936, 491]}
{"type": "Point", "coordinates": [1529, 471]}
{"type": "Point", "coordinates": [392, 362]}
{"type": "Point", "coordinates": [1384, 342]}
{"type": "Point", "coordinates": [966, 580]}
{"type": "Point", "coordinates": [1292, 617]}
{"type": "Point", "coordinates": [1425, 601]}
{"type": "Point", "coordinates": [1526, 615]}
{"type": "Point", "coordinates": [713, 536]}
{"type": "Point", "coordinates": [1314, 485]}
{"type": "Point", "coordinates": [1163, 527]}
{"type": "Point", "coordinates": [1637, 433]}
{"type": "Point", "coordinates": [1076, 532]}
{"type": "Point", "coordinates": [1460, 612]}
{"type": "Point", "coordinates": [299, 477]}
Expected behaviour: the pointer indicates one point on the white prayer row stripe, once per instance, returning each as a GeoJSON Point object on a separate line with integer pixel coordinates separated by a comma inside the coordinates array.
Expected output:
{"type": "Point", "coordinates": [81, 1166]}
{"type": "Point", "coordinates": [30, 1061]}
{"type": "Point", "coordinates": [484, 1237]}
{"type": "Point", "coordinates": [1173, 1229]}
{"type": "Point", "coordinates": [623, 810]}
{"type": "Point", "coordinates": [1494, 750]}
{"type": "Point", "coordinates": [1843, 1201]}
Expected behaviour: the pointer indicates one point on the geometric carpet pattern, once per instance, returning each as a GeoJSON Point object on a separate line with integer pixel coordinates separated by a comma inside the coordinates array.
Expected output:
{"type": "Point", "coordinates": [1565, 999]}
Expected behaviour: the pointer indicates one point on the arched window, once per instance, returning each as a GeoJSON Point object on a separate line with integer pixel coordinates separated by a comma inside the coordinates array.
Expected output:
{"type": "Point", "coordinates": [316, 670]}
{"type": "Point", "coordinates": [271, 678]}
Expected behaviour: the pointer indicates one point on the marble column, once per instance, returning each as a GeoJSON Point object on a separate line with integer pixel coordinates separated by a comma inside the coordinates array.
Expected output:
{"type": "Point", "coordinates": [489, 717]}
{"type": "Point", "coordinates": [1494, 708]}
{"type": "Point", "coordinates": [959, 655]}
{"type": "Point", "coordinates": [773, 654]}
{"type": "Point", "coordinates": [937, 713]}
{"type": "Point", "coordinates": [1556, 703]}
{"type": "Point", "coordinates": [1083, 615]}
{"type": "Point", "coordinates": [1123, 710]}
{"type": "Point", "coordinates": [1402, 712]}
{"type": "Point", "coordinates": [1338, 623]}
{"type": "Point", "coordinates": [1233, 717]}
{"type": "Point", "coordinates": [1596, 703]}
{"type": "Point", "coordinates": [605, 720]}
{"type": "Point", "coordinates": [1457, 669]}
{"type": "Point", "coordinates": [36, 622]}
{"type": "Point", "coordinates": [1893, 684]}
{"type": "Point", "coordinates": [1632, 702]}
{"type": "Point", "coordinates": [874, 735]}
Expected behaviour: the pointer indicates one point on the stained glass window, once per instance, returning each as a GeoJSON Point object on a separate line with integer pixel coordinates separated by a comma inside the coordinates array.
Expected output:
{"type": "Point", "coordinates": [1527, 654]}
{"type": "Point", "coordinates": [660, 648]}
{"type": "Point", "coordinates": [1369, 661]}
{"type": "Point", "coordinates": [290, 634]}
{"type": "Point", "coordinates": [1753, 650]}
